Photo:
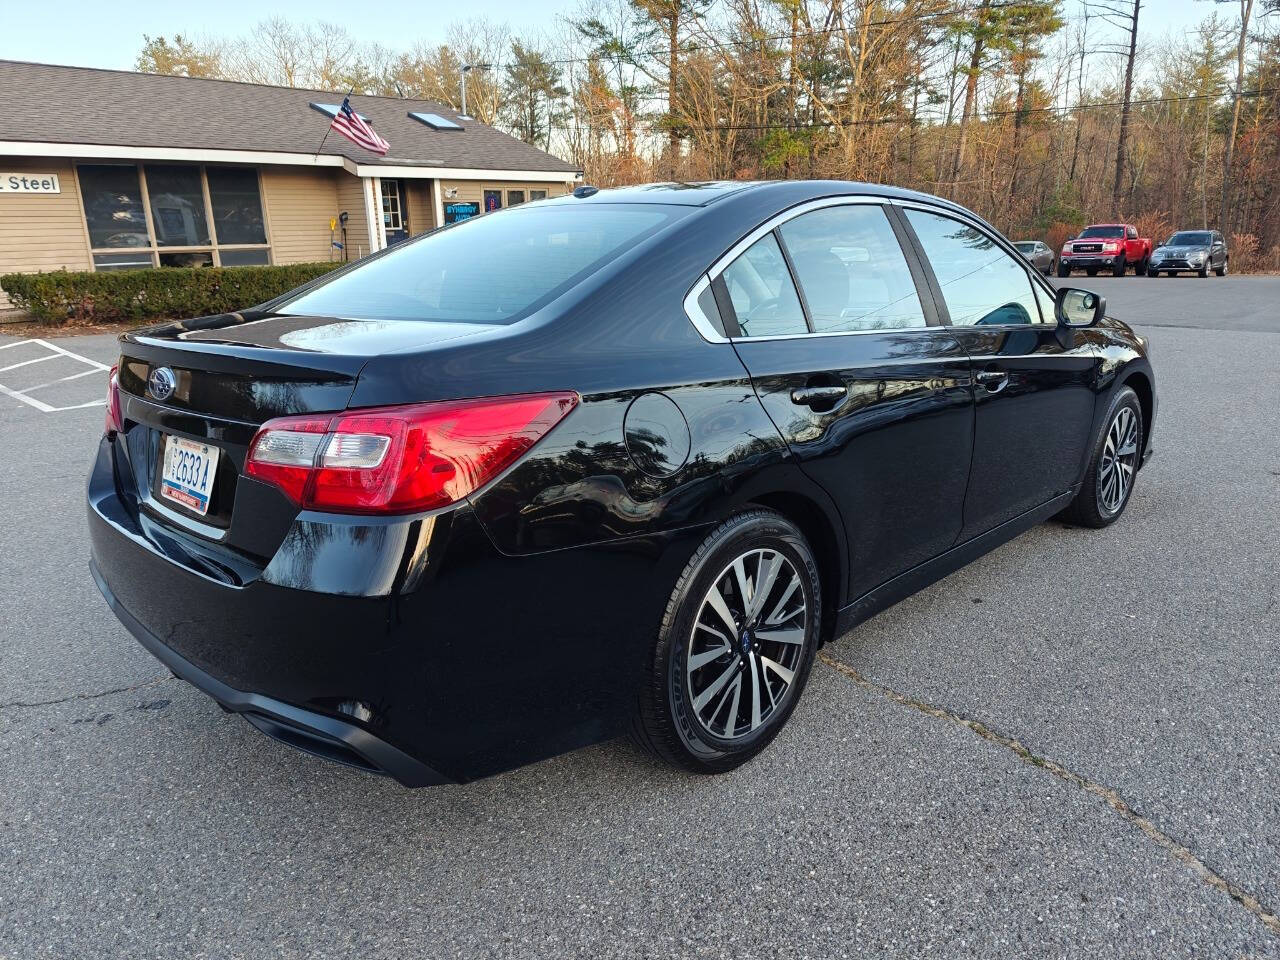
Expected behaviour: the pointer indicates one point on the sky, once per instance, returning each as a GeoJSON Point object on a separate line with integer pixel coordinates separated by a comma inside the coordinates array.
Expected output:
{"type": "Point", "coordinates": [97, 34]}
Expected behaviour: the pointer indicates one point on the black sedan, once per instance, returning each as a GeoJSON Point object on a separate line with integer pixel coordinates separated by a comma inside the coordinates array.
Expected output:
{"type": "Point", "coordinates": [1191, 251]}
{"type": "Point", "coordinates": [607, 463]}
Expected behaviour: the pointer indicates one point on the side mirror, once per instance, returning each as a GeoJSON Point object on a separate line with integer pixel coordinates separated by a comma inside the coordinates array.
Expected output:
{"type": "Point", "coordinates": [1079, 308]}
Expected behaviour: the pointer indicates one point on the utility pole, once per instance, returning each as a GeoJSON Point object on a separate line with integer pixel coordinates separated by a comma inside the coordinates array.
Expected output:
{"type": "Point", "coordinates": [467, 68]}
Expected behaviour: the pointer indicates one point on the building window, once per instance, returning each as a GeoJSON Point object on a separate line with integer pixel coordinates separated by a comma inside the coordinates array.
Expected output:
{"type": "Point", "coordinates": [492, 200]}
{"type": "Point", "coordinates": [113, 207]}
{"type": "Point", "coordinates": [537, 194]}
{"type": "Point", "coordinates": [173, 215]}
{"type": "Point", "coordinates": [515, 197]}
{"type": "Point", "coordinates": [392, 217]}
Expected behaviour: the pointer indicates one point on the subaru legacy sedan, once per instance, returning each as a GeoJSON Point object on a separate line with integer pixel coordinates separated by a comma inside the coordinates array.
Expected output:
{"type": "Point", "coordinates": [617, 462]}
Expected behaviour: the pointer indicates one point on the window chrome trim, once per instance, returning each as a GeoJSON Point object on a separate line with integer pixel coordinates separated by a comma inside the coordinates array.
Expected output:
{"type": "Point", "coordinates": [693, 310]}
{"type": "Point", "coordinates": [706, 329]}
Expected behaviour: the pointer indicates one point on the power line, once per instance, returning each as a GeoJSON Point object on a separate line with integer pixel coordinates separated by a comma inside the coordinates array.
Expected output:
{"type": "Point", "coordinates": [882, 121]}
{"type": "Point", "coordinates": [631, 56]}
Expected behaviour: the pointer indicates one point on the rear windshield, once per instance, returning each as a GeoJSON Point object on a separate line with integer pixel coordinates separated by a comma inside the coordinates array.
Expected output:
{"type": "Point", "coordinates": [1092, 232]}
{"type": "Point", "coordinates": [496, 268]}
{"type": "Point", "coordinates": [1025, 247]}
{"type": "Point", "coordinates": [1190, 238]}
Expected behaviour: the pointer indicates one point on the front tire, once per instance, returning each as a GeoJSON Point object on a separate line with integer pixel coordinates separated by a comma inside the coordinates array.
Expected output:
{"type": "Point", "coordinates": [1063, 269]}
{"type": "Point", "coordinates": [1113, 466]}
{"type": "Point", "coordinates": [735, 646]}
{"type": "Point", "coordinates": [1222, 270]}
{"type": "Point", "coordinates": [1120, 267]}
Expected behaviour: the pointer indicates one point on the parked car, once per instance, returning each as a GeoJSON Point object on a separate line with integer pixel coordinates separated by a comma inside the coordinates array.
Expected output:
{"type": "Point", "coordinates": [1187, 250]}
{"type": "Point", "coordinates": [1109, 246]}
{"type": "Point", "coordinates": [1038, 253]}
{"type": "Point", "coordinates": [606, 463]}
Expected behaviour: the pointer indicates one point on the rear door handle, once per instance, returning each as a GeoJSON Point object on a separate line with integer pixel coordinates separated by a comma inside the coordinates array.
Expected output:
{"type": "Point", "coordinates": [993, 380]}
{"type": "Point", "coordinates": [818, 396]}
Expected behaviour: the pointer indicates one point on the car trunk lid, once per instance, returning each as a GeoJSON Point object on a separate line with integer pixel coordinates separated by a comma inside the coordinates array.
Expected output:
{"type": "Point", "coordinates": [223, 377]}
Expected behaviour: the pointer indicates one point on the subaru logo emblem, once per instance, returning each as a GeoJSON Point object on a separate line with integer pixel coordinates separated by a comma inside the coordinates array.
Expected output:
{"type": "Point", "coordinates": [161, 383]}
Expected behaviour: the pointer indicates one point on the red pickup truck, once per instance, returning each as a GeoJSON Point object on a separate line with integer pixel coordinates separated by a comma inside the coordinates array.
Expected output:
{"type": "Point", "coordinates": [1106, 246]}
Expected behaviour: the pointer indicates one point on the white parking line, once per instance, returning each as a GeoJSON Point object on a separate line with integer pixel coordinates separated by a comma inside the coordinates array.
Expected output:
{"type": "Point", "coordinates": [55, 352]}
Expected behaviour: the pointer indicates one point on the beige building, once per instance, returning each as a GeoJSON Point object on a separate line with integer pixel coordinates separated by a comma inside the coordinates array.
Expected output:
{"type": "Point", "coordinates": [109, 170]}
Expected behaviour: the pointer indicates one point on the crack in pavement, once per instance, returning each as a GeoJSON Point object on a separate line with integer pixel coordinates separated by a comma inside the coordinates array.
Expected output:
{"type": "Point", "coordinates": [1108, 795]}
{"type": "Point", "coordinates": [87, 696]}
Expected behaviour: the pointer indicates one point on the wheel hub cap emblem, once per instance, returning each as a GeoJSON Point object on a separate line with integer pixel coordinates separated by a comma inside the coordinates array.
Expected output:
{"type": "Point", "coordinates": [744, 641]}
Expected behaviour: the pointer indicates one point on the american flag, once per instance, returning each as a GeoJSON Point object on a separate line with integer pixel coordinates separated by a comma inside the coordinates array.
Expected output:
{"type": "Point", "coordinates": [356, 129]}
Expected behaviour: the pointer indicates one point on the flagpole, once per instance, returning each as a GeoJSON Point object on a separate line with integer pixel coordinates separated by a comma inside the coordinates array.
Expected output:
{"type": "Point", "coordinates": [330, 126]}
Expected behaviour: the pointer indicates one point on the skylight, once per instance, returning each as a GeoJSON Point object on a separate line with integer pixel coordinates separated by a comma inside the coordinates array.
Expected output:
{"type": "Point", "coordinates": [331, 109]}
{"type": "Point", "coordinates": [435, 121]}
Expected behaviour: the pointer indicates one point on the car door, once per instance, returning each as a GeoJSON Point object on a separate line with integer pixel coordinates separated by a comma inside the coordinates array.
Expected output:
{"type": "Point", "coordinates": [1218, 251]}
{"type": "Point", "coordinates": [849, 360]}
{"type": "Point", "coordinates": [1033, 382]}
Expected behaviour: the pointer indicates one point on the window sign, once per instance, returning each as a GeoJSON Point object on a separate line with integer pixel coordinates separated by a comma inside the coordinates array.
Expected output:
{"type": "Point", "coordinates": [492, 200]}
{"type": "Point", "coordinates": [456, 212]}
{"type": "Point", "coordinates": [29, 183]}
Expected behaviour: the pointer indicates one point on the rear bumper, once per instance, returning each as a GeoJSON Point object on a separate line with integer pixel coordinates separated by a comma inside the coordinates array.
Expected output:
{"type": "Point", "coordinates": [410, 646]}
{"type": "Point", "coordinates": [306, 730]}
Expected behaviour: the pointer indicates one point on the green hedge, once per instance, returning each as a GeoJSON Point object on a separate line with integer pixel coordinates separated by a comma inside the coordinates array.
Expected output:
{"type": "Point", "coordinates": [146, 295]}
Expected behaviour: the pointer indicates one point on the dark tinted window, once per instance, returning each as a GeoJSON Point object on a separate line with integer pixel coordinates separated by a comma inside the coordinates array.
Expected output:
{"type": "Point", "coordinates": [764, 298]}
{"type": "Point", "coordinates": [177, 206]}
{"type": "Point", "coordinates": [494, 269]}
{"type": "Point", "coordinates": [1191, 238]}
{"type": "Point", "coordinates": [980, 282]}
{"type": "Point", "coordinates": [1026, 247]}
{"type": "Point", "coordinates": [851, 269]}
{"type": "Point", "coordinates": [113, 210]}
{"type": "Point", "coordinates": [237, 208]}
{"type": "Point", "coordinates": [1101, 232]}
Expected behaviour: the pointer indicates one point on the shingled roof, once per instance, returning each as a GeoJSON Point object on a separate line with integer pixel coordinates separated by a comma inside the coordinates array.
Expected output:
{"type": "Point", "coordinates": [56, 104]}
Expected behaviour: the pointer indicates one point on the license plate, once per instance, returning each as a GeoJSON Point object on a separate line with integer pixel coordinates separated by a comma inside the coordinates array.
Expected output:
{"type": "Point", "coordinates": [189, 469]}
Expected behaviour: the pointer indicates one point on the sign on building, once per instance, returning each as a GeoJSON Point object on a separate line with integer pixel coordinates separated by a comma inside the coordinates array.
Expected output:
{"type": "Point", "coordinates": [29, 183]}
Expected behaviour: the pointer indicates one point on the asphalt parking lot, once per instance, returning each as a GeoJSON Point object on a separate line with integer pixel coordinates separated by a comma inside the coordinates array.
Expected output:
{"type": "Point", "coordinates": [1071, 747]}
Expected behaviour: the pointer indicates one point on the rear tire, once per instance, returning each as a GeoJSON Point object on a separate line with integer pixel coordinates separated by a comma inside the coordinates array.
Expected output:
{"type": "Point", "coordinates": [1222, 270]}
{"type": "Point", "coordinates": [1091, 271]}
{"type": "Point", "coordinates": [1113, 465]}
{"type": "Point", "coordinates": [711, 699]}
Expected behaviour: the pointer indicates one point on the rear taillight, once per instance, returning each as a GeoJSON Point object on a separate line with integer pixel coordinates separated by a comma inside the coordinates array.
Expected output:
{"type": "Point", "coordinates": [400, 459]}
{"type": "Point", "coordinates": [114, 424]}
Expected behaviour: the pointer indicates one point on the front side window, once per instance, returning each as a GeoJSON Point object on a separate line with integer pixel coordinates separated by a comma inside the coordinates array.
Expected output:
{"type": "Point", "coordinates": [980, 283]}
{"type": "Point", "coordinates": [851, 270]}
{"type": "Point", "coordinates": [763, 295]}
{"type": "Point", "coordinates": [486, 269]}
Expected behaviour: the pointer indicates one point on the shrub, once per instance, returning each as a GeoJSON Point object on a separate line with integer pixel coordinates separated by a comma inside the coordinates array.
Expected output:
{"type": "Point", "coordinates": [136, 296]}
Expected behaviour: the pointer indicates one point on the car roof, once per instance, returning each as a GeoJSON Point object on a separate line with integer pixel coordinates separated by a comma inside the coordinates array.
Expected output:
{"type": "Point", "coordinates": [700, 194]}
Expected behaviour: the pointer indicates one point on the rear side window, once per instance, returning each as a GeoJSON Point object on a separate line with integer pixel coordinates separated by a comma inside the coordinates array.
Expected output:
{"type": "Point", "coordinates": [763, 296]}
{"type": "Point", "coordinates": [851, 270]}
{"type": "Point", "coordinates": [494, 269]}
{"type": "Point", "coordinates": [980, 283]}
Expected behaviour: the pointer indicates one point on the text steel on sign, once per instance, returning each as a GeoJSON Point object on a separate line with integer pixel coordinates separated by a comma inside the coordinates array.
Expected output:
{"type": "Point", "coordinates": [29, 183]}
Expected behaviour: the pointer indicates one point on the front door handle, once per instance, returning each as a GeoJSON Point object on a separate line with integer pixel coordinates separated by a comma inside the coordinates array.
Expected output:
{"type": "Point", "coordinates": [993, 380]}
{"type": "Point", "coordinates": [818, 396]}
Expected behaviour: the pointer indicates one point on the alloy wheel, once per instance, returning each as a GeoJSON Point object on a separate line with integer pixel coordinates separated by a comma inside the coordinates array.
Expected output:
{"type": "Point", "coordinates": [1118, 461]}
{"type": "Point", "coordinates": [747, 643]}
